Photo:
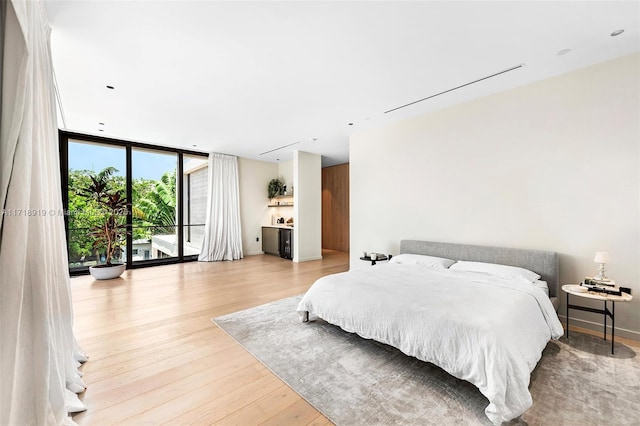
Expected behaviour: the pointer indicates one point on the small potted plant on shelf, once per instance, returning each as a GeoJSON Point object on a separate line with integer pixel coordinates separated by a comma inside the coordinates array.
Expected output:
{"type": "Point", "coordinates": [110, 234]}
{"type": "Point", "coordinates": [274, 189]}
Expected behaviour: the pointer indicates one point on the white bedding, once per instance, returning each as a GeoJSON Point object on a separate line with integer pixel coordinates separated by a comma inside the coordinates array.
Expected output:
{"type": "Point", "coordinates": [486, 330]}
{"type": "Point", "coordinates": [542, 285]}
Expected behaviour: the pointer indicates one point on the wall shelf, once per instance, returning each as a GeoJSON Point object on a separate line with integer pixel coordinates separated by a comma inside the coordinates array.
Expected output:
{"type": "Point", "coordinates": [274, 203]}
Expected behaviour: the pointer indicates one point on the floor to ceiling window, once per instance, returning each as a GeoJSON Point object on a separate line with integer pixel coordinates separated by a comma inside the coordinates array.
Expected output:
{"type": "Point", "coordinates": [154, 200]}
{"type": "Point", "coordinates": [86, 160]}
{"type": "Point", "coordinates": [195, 178]}
{"type": "Point", "coordinates": [166, 189]}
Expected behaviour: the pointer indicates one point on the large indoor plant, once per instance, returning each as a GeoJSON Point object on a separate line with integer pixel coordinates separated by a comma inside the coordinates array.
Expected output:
{"type": "Point", "coordinates": [275, 188]}
{"type": "Point", "coordinates": [110, 233]}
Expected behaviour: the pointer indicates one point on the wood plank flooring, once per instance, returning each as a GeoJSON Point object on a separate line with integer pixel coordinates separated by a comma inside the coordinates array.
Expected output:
{"type": "Point", "coordinates": [156, 357]}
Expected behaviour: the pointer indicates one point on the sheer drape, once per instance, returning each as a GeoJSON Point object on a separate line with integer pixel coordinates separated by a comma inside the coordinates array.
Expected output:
{"type": "Point", "coordinates": [39, 357]}
{"type": "Point", "coordinates": [222, 234]}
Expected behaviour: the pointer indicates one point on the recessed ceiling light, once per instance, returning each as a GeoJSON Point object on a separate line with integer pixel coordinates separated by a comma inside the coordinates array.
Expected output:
{"type": "Point", "coordinates": [314, 139]}
{"type": "Point", "coordinates": [617, 32]}
{"type": "Point", "coordinates": [277, 159]}
{"type": "Point", "coordinates": [102, 124]}
{"type": "Point", "coordinates": [194, 145]}
{"type": "Point", "coordinates": [110, 87]}
{"type": "Point", "coordinates": [100, 130]}
{"type": "Point", "coordinates": [350, 124]}
{"type": "Point", "coordinates": [564, 52]}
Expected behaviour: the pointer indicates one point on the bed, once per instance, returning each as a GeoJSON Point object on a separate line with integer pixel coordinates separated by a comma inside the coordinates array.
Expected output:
{"type": "Point", "coordinates": [479, 322]}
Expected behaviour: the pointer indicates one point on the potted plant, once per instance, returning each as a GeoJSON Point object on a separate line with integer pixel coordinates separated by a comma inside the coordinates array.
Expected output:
{"type": "Point", "coordinates": [275, 188]}
{"type": "Point", "coordinates": [109, 236]}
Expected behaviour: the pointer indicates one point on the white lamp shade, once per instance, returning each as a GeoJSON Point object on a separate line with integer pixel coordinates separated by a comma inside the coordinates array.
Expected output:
{"type": "Point", "coordinates": [601, 257]}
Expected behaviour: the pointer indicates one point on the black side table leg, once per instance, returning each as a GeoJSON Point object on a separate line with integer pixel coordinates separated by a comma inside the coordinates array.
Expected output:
{"type": "Point", "coordinates": [567, 315]}
{"type": "Point", "coordinates": [605, 320]}
{"type": "Point", "coordinates": [613, 323]}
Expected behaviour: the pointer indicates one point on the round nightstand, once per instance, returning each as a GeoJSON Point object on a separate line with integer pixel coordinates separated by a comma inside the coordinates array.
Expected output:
{"type": "Point", "coordinates": [578, 290]}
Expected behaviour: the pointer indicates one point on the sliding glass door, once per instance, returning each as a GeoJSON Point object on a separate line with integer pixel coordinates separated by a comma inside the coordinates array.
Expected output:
{"type": "Point", "coordinates": [195, 178]}
{"type": "Point", "coordinates": [166, 192]}
{"type": "Point", "coordinates": [154, 196]}
{"type": "Point", "coordinates": [87, 160]}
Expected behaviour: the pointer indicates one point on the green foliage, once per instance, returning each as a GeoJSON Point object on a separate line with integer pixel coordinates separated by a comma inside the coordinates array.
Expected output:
{"type": "Point", "coordinates": [158, 206]}
{"type": "Point", "coordinates": [154, 205]}
{"type": "Point", "coordinates": [109, 234]}
{"type": "Point", "coordinates": [275, 188]}
{"type": "Point", "coordinates": [80, 242]}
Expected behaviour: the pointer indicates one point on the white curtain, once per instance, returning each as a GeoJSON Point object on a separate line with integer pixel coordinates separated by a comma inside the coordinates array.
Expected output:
{"type": "Point", "coordinates": [222, 231]}
{"type": "Point", "coordinates": [39, 357]}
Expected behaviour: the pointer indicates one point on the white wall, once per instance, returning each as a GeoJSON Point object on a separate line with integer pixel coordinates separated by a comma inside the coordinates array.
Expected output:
{"type": "Point", "coordinates": [553, 165]}
{"type": "Point", "coordinates": [254, 177]}
{"type": "Point", "coordinates": [285, 174]}
{"type": "Point", "coordinates": [307, 179]}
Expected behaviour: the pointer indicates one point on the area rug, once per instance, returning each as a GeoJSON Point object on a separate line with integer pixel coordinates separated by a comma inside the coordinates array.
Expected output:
{"type": "Point", "coordinates": [355, 381]}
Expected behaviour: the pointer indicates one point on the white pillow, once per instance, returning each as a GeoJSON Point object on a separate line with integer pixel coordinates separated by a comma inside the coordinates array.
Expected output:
{"type": "Point", "coordinates": [419, 259]}
{"type": "Point", "coordinates": [503, 271]}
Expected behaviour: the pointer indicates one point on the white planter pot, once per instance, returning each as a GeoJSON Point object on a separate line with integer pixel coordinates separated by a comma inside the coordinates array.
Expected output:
{"type": "Point", "coordinates": [106, 272]}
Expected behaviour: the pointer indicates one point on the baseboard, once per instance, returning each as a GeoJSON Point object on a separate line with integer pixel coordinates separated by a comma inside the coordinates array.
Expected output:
{"type": "Point", "coordinates": [307, 259]}
{"type": "Point", "coordinates": [253, 253]}
{"type": "Point", "coordinates": [598, 326]}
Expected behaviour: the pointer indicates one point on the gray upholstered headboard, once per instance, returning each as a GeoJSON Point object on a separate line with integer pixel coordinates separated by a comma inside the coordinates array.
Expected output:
{"type": "Point", "coordinates": [545, 263]}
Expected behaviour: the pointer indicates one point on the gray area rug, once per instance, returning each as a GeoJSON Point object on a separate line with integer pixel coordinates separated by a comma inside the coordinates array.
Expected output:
{"type": "Point", "coordinates": [354, 381]}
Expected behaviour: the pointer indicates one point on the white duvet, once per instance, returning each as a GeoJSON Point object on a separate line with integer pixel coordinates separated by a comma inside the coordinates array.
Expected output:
{"type": "Point", "coordinates": [480, 328]}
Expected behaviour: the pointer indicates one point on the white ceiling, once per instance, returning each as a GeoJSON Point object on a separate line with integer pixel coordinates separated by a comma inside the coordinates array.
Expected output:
{"type": "Point", "coordinates": [247, 77]}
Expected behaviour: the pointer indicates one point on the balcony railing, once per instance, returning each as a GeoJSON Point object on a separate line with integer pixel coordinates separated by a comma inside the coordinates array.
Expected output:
{"type": "Point", "coordinates": [149, 243]}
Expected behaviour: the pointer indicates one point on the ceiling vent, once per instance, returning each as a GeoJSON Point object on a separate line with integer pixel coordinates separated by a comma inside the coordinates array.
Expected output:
{"type": "Point", "coordinates": [457, 87]}
{"type": "Point", "coordinates": [281, 147]}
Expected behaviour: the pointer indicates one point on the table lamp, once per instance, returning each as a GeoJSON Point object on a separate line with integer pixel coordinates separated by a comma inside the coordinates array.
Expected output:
{"type": "Point", "coordinates": [601, 257]}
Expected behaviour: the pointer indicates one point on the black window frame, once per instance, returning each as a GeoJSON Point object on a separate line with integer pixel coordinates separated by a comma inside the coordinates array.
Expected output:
{"type": "Point", "coordinates": [63, 141]}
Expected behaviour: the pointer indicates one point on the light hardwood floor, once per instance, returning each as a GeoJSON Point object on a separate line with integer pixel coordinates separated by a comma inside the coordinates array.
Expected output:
{"type": "Point", "coordinates": [156, 357]}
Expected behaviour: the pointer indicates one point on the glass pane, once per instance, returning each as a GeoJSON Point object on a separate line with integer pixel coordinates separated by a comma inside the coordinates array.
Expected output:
{"type": "Point", "coordinates": [159, 243]}
{"type": "Point", "coordinates": [85, 212]}
{"type": "Point", "coordinates": [154, 204]}
{"type": "Point", "coordinates": [195, 180]}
